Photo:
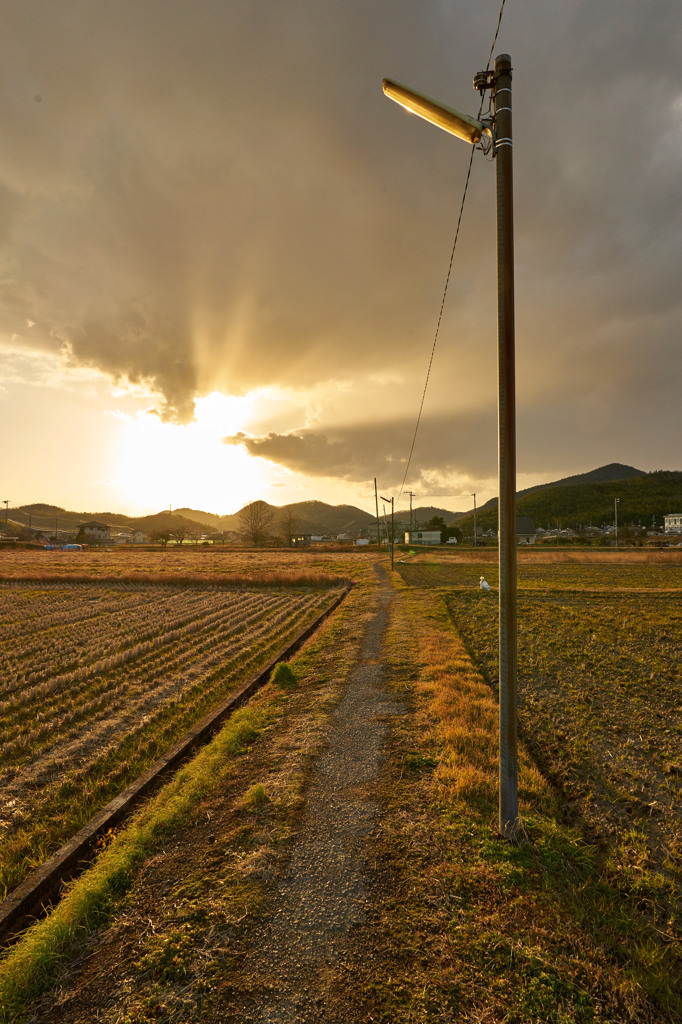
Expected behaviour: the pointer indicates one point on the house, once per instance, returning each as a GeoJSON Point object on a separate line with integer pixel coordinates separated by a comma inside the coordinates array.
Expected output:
{"type": "Point", "coordinates": [525, 530]}
{"type": "Point", "coordinates": [672, 523]}
{"type": "Point", "coordinates": [95, 532]}
{"type": "Point", "coordinates": [422, 537]}
{"type": "Point", "coordinates": [300, 540]}
{"type": "Point", "coordinates": [130, 536]}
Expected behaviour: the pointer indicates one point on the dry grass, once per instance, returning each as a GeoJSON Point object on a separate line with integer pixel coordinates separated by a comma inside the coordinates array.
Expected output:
{"type": "Point", "coordinates": [473, 928]}
{"type": "Point", "coordinates": [464, 927]}
{"type": "Point", "coordinates": [535, 554]}
{"type": "Point", "coordinates": [100, 679]}
{"type": "Point", "coordinates": [221, 833]}
{"type": "Point", "coordinates": [213, 565]}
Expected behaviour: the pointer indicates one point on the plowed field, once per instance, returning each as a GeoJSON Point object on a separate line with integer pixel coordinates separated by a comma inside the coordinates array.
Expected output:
{"type": "Point", "coordinates": [98, 679]}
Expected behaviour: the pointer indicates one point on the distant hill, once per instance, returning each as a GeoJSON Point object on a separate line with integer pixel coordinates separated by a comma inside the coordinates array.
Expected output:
{"type": "Point", "coordinates": [209, 519]}
{"type": "Point", "coordinates": [588, 499]}
{"type": "Point", "coordinates": [50, 517]}
{"type": "Point", "coordinates": [39, 509]}
{"type": "Point", "coordinates": [584, 499]}
{"type": "Point", "coordinates": [319, 518]}
{"type": "Point", "coordinates": [168, 522]}
{"type": "Point", "coordinates": [424, 513]}
{"type": "Point", "coordinates": [603, 475]}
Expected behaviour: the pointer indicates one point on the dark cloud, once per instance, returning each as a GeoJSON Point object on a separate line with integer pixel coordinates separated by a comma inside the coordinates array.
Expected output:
{"type": "Point", "coordinates": [221, 198]}
{"type": "Point", "coordinates": [447, 445]}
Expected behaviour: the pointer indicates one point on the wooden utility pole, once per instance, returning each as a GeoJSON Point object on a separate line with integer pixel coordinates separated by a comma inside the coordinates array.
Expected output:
{"type": "Point", "coordinates": [502, 95]}
{"type": "Point", "coordinates": [376, 499]}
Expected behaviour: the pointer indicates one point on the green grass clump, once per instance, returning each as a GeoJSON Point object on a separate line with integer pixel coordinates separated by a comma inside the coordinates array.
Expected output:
{"type": "Point", "coordinates": [256, 796]}
{"type": "Point", "coordinates": [283, 677]}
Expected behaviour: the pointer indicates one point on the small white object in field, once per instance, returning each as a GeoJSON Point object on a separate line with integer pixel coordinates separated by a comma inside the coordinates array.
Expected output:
{"type": "Point", "coordinates": [483, 583]}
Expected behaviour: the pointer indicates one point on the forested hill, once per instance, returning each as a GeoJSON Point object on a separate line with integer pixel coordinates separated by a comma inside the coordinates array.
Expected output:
{"type": "Point", "coordinates": [642, 499]}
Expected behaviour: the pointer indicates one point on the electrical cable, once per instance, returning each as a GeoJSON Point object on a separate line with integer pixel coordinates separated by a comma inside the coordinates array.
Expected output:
{"type": "Point", "coordinates": [440, 317]}
{"type": "Point", "coordinates": [497, 32]}
{"type": "Point", "coordinates": [447, 279]}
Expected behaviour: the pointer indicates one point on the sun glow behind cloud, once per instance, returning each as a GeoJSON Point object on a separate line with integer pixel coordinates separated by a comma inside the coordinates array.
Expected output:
{"type": "Point", "coordinates": [165, 464]}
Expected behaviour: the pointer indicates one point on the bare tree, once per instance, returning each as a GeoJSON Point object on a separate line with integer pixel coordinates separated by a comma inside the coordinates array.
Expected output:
{"type": "Point", "coordinates": [255, 520]}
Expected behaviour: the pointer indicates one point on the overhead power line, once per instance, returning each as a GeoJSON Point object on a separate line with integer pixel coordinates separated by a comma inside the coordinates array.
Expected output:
{"type": "Point", "coordinates": [447, 278]}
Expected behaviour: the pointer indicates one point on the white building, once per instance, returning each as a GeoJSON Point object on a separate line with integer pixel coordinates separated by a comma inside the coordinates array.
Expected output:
{"type": "Point", "coordinates": [95, 532]}
{"type": "Point", "coordinates": [673, 523]}
{"type": "Point", "coordinates": [422, 537]}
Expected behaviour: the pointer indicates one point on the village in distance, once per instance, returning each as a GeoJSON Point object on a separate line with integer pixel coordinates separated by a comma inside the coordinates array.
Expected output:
{"type": "Point", "coordinates": [614, 504]}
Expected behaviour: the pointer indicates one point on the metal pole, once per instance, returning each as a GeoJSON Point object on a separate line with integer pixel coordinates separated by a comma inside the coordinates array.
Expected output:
{"type": "Point", "coordinates": [475, 541]}
{"type": "Point", "coordinates": [508, 802]}
{"type": "Point", "coordinates": [376, 499]}
{"type": "Point", "coordinates": [391, 541]}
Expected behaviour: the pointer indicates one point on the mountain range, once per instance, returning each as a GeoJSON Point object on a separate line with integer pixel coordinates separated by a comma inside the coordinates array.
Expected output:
{"type": "Point", "coordinates": [582, 499]}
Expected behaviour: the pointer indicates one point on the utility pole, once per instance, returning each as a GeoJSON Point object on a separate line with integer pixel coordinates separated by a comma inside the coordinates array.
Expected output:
{"type": "Point", "coordinates": [472, 130]}
{"type": "Point", "coordinates": [6, 504]}
{"type": "Point", "coordinates": [411, 493]}
{"type": "Point", "coordinates": [376, 499]}
{"type": "Point", "coordinates": [474, 497]}
{"type": "Point", "coordinates": [392, 526]}
{"type": "Point", "coordinates": [615, 510]}
{"type": "Point", "coordinates": [502, 95]}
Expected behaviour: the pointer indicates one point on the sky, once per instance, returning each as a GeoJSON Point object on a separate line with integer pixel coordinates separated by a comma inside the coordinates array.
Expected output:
{"type": "Point", "coordinates": [223, 250]}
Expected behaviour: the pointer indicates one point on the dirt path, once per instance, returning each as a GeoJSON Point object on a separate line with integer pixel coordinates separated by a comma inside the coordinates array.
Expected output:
{"type": "Point", "coordinates": [324, 892]}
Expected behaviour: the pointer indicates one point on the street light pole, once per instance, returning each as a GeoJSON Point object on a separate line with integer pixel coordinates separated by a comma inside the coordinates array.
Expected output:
{"type": "Point", "coordinates": [472, 130]}
{"type": "Point", "coordinates": [507, 445]}
{"type": "Point", "coordinates": [392, 527]}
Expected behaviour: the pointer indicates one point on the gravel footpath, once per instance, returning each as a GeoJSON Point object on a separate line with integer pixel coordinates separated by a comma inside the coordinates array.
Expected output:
{"type": "Point", "coordinates": [325, 890]}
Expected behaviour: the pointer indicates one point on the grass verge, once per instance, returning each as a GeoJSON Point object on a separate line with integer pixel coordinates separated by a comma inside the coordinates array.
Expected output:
{"type": "Point", "coordinates": [471, 928]}
{"type": "Point", "coordinates": [33, 964]}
